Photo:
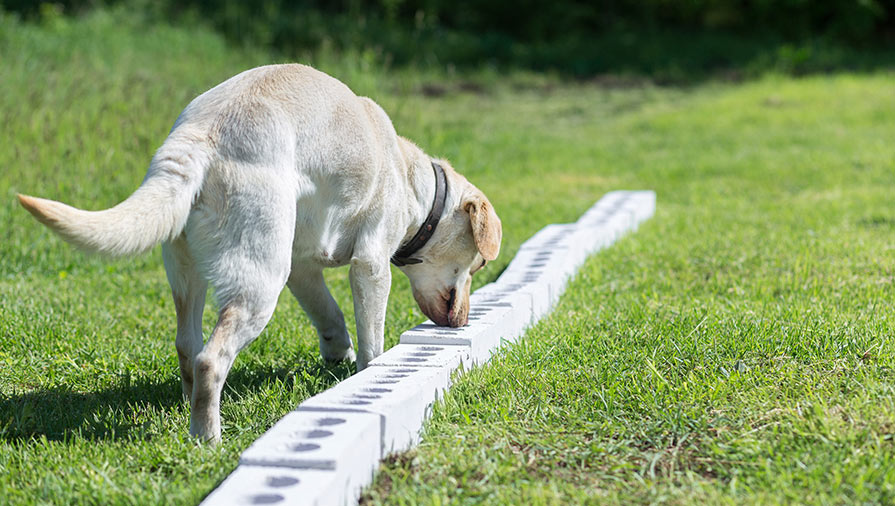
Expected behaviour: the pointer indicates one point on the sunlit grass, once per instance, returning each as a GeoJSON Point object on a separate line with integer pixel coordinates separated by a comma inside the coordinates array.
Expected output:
{"type": "Point", "coordinates": [738, 348]}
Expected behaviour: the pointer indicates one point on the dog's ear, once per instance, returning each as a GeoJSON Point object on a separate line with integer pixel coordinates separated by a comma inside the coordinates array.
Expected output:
{"type": "Point", "coordinates": [485, 225]}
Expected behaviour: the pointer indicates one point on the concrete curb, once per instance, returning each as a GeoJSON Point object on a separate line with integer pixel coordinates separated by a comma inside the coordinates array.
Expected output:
{"type": "Point", "coordinates": [329, 448]}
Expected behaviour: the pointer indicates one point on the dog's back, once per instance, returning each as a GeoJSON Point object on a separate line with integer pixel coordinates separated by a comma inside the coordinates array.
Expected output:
{"type": "Point", "coordinates": [287, 124]}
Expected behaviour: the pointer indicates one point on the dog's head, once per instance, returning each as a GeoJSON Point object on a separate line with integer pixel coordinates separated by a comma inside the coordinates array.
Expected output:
{"type": "Point", "coordinates": [466, 238]}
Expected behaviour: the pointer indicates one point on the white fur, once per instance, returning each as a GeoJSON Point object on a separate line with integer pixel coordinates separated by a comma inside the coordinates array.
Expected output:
{"type": "Point", "coordinates": [265, 180]}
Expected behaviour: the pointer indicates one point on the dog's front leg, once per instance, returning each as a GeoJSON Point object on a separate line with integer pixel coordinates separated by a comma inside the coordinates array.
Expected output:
{"type": "Point", "coordinates": [309, 288]}
{"type": "Point", "coordinates": [371, 280]}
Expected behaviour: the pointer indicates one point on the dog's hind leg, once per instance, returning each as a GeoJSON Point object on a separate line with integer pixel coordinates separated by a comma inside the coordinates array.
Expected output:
{"type": "Point", "coordinates": [246, 253]}
{"type": "Point", "coordinates": [188, 289]}
{"type": "Point", "coordinates": [309, 288]}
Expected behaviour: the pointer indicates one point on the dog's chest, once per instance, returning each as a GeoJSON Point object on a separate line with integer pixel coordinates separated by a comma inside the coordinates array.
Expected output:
{"type": "Point", "coordinates": [323, 236]}
{"type": "Point", "coordinates": [328, 255]}
{"type": "Point", "coordinates": [329, 249]}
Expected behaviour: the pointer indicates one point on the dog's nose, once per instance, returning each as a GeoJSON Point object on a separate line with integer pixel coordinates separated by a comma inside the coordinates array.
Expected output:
{"type": "Point", "coordinates": [452, 319]}
{"type": "Point", "coordinates": [449, 320]}
{"type": "Point", "coordinates": [441, 321]}
{"type": "Point", "coordinates": [451, 299]}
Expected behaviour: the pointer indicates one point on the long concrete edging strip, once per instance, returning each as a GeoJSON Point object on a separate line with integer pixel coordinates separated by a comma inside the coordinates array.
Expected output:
{"type": "Point", "coordinates": [328, 449]}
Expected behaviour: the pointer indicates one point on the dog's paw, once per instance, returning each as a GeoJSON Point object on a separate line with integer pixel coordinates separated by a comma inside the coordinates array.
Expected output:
{"type": "Point", "coordinates": [206, 433]}
{"type": "Point", "coordinates": [336, 346]}
{"type": "Point", "coordinates": [339, 355]}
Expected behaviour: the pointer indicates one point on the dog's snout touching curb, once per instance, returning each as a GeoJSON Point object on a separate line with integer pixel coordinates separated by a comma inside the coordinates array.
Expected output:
{"type": "Point", "coordinates": [452, 314]}
{"type": "Point", "coordinates": [456, 316]}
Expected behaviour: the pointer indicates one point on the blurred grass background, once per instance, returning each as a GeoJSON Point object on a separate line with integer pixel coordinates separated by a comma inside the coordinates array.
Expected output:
{"type": "Point", "coordinates": [667, 41]}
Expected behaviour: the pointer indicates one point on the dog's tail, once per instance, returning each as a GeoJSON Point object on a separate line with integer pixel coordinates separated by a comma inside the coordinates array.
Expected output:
{"type": "Point", "coordinates": [157, 211]}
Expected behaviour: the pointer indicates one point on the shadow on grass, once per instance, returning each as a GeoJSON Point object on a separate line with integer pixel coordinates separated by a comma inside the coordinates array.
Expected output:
{"type": "Point", "coordinates": [126, 411]}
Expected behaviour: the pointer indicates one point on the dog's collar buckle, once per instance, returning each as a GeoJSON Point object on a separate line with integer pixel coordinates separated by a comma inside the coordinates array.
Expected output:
{"type": "Point", "coordinates": [403, 256]}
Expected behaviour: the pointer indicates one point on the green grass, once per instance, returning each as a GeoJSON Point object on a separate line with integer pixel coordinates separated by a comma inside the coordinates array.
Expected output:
{"type": "Point", "coordinates": [738, 348]}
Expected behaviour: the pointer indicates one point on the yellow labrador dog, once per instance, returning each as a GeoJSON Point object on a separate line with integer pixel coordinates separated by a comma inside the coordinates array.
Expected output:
{"type": "Point", "coordinates": [265, 180]}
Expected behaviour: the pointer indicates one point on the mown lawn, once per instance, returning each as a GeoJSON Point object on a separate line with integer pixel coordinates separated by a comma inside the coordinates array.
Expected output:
{"type": "Point", "coordinates": [737, 348]}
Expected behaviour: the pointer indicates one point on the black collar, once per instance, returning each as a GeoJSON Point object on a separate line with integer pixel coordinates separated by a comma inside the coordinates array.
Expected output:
{"type": "Point", "coordinates": [402, 257]}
